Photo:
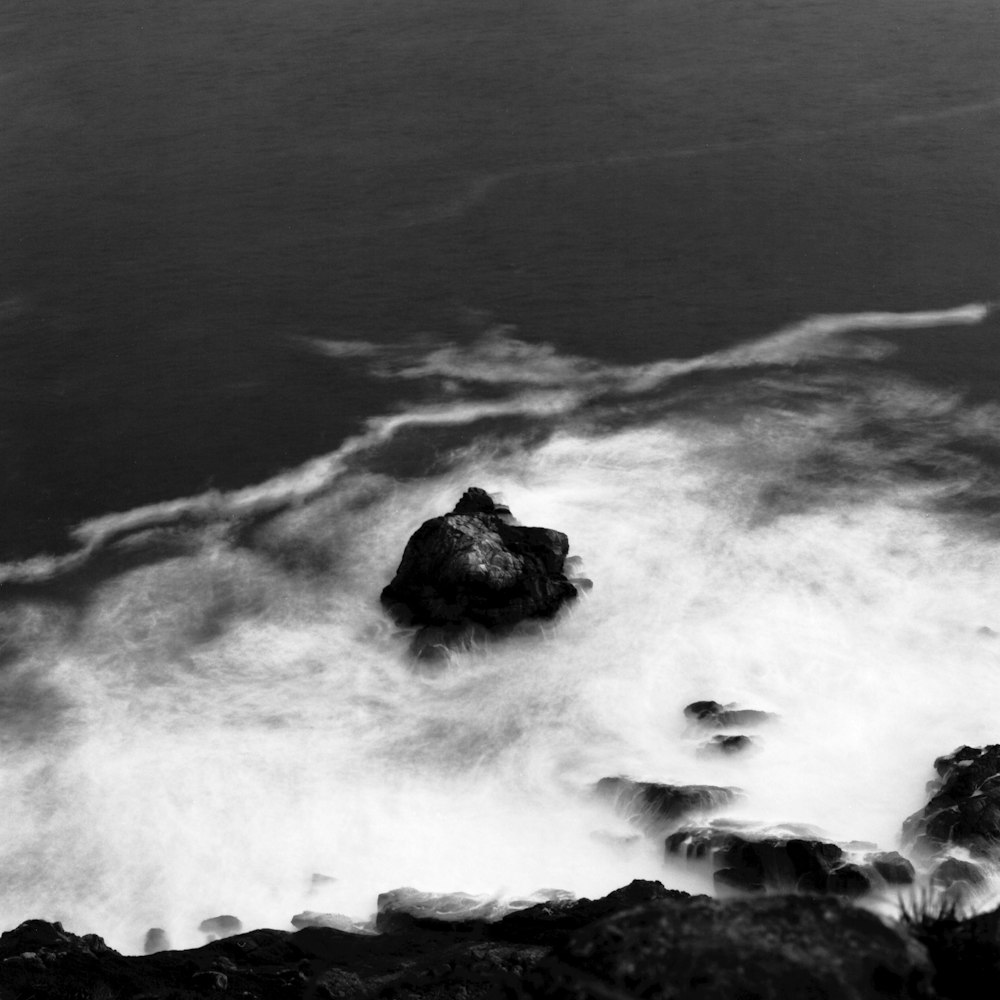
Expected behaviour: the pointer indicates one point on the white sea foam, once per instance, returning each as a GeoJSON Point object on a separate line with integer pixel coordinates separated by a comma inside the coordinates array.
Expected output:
{"type": "Point", "coordinates": [206, 733]}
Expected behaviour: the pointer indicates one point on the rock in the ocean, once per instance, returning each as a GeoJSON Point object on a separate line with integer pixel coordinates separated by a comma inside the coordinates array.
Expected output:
{"type": "Point", "coordinates": [221, 927]}
{"type": "Point", "coordinates": [156, 940]}
{"type": "Point", "coordinates": [712, 715]}
{"type": "Point", "coordinates": [476, 568]}
{"type": "Point", "coordinates": [652, 805]}
{"type": "Point", "coordinates": [893, 867]}
{"type": "Point", "coordinates": [775, 948]}
{"type": "Point", "coordinates": [727, 745]}
{"type": "Point", "coordinates": [964, 809]}
{"type": "Point", "coordinates": [748, 862]}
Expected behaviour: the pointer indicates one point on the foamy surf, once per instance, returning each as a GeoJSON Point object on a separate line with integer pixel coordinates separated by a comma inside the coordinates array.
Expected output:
{"type": "Point", "coordinates": [204, 733]}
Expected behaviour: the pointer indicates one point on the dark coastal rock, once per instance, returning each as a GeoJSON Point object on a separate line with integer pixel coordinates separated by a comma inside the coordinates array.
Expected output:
{"type": "Point", "coordinates": [406, 908]}
{"type": "Point", "coordinates": [476, 568]}
{"type": "Point", "coordinates": [773, 948]}
{"type": "Point", "coordinates": [712, 715]}
{"type": "Point", "coordinates": [964, 808]}
{"type": "Point", "coordinates": [727, 745]}
{"type": "Point", "coordinates": [953, 870]}
{"type": "Point", "coordinates": [756, 862]}
{"type": "Point", "coordinates": [548, 922]}
{"type": "Point", "coordinates": [893, 867]}
{"type": "Point", "coordinates": [156, 940]}
{"type": "Point", "coordinates": [652, 805]}
{"type": "Point", "coordinates": [222, 926]}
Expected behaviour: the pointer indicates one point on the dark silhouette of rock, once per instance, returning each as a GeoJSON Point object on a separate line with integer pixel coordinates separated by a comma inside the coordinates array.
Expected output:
{"type": "Point", "coordinates": [893, 867]}
{"type": "Point", "coordinates": [774, 948]}
{"type": "Point", "coordinates": [712, 715]}
{"type": "Point", "coordinates": [221, 926]}
{"type": "Point", "coordinates": [652, 806]}
{"type": "Point", "coordinates": [727, 745]}
{"type": "Point", "coordinates": [156, 940]}
{"type": "Point", "coordinates": [953, 870]}
{"type": "Point", "coordinates": [748, 862]}
{"type": "Point", "coordinates": [964, 808]}
{"type": "Point", "coordinates": [476, 567]}
{"type": "Point", "coordinates": [546, 923]}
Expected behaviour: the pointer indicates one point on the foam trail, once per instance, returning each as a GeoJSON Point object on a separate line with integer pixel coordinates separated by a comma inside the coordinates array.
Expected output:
{"type": "Point", "coordinates": [496, 359]}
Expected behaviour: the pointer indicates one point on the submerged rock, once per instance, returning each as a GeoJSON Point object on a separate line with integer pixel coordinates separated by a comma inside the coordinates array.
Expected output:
{"type": "Point", "coordinates": [727, 745]}
{"type": "Point", "coordinates": [221, 927]}
{"type": "Point", "coordinates": [712, 715]}
{"type": "Point", "coordinates": [748, 862]}
{"type": "Point", "coordinates": [652, 805]}
{"type": "Point", "coordinates": [474, 568]}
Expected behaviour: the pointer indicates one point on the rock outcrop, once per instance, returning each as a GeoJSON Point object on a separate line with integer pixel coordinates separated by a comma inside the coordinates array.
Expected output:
{"type": "Point", "coordinates": [652, 806]}
{"type": "Point", "coordinates": [705, 949]}
{"type": "Point", "coordinates": [747, 862]}
{"type": "Point", "coordinates": [476, 569]}
{"type": "Point", "coordinates": [964, 808]}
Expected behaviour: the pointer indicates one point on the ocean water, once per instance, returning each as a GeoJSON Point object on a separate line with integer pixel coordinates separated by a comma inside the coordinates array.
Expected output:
{"type": "Point", "coordinates": [709, 287]}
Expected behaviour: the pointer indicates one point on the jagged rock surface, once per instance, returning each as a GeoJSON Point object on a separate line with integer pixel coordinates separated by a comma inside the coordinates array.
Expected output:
{"type": "Point", "coordinates": [475, 567]}
{"type": "Point", "coordinates": [754, 863]}
{"type": "Point", "coordinates": [964, 808]}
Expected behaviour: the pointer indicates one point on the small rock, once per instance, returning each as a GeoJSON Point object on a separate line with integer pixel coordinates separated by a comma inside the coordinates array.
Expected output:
{"type": "Point", "coordinates": [727, 744]}
{"type": "Point", "coordinates": [715, 716]}
{"type": "Point", "coordinates": [222, 926]}
{"type": "Point", "coordinates": [893, 867]}
{"type": "Point", "coordinates": [955, 870]}
{"type": "Point", "coordinates": [156, 940]}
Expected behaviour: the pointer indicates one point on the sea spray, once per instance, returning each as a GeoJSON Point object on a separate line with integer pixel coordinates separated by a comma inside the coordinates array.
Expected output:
{"type": "Point", "coordinates": [202, 729]}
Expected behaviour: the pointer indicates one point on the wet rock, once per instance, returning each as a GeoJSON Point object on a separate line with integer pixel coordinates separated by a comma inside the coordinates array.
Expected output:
{"type": "Point", "coordinates": [406, 908]}
{"type": "Point", "coordinates": [310, 918]}
{"type": "Point", "coordinates": [476, 567]}
{"type": "Point", "coordinates": [964, 806]}
{"type": "Point", "coordinates": [156, 940]}
{"type": "Point", "coordinates": [45, 938]}
{"type": "Point", "coordinates": [848, 880]}
{"type": "Point", "coordinates": [771, 948]}
{"type": "Point", "coordinates": [727, 745]}
{"type": "Point", "coordinates": [652, 805]}
{"type": "Point", "coordinates": [754, 862]}
{"type": "Point", "coordinates": [953, 870]}
{"type": "Point", "coordinates": [712, 715]}
{"type": "Point", "coordinates": [548, 922]}
{"type": "Point", "coordinates": [893, 867]}
{"type": "Point", "coordinates": [221, 927]}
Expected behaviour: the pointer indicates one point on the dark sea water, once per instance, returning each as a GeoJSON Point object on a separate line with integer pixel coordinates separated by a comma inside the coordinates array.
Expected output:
{"type": "Point", "coordinates": [707, 285]}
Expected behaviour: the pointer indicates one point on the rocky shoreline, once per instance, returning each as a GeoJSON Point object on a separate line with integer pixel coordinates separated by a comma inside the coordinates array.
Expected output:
{"type": "Point", "coordinates": [641, 941]}
{"type": "Point", "coordinates": [789, 919]}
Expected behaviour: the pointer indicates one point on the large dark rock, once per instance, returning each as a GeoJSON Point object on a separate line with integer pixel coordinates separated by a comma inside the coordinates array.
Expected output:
{"type": "Point", "coordinates": [653, 806]}
{"type": "Point", "coordinates": [754, 862]}
{"type": "Point", "coordinates": [477, 568]}
{"type": "Point", "coordinates": [964, 808]}
{"type": "Point", "coordinates": [774, 948]}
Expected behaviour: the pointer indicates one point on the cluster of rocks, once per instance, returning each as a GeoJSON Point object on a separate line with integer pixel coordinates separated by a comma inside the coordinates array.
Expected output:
{"type": "Point", "coordinates": [640, 941]}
